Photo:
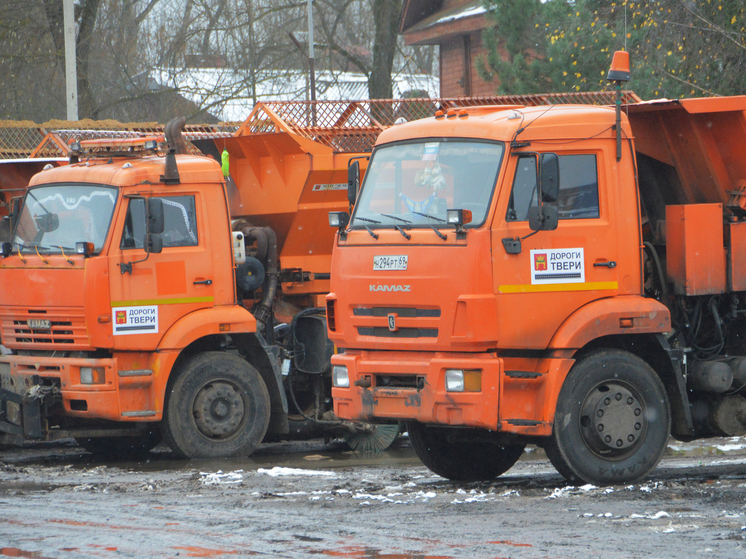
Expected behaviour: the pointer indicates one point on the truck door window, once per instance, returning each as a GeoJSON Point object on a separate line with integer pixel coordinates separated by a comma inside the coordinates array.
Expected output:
{"type": "Point", "coordinates": [180, 219]}
{"type": "Point", "coordinates": [578, 194]}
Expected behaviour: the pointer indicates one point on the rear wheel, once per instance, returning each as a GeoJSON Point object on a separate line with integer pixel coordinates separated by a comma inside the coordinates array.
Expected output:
{"type": "Point", "coordinates": [461, 460]}
{"type": "Point", "coordinates": [612, 420]}
{"type": "Point", "coordinates": [217, 407]}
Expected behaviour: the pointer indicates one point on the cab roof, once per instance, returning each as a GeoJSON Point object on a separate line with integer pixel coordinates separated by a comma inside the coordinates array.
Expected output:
{"type": "Point", "coordinates": [129, 171]}
{"type": "Point", "coordinates": [557, 122]}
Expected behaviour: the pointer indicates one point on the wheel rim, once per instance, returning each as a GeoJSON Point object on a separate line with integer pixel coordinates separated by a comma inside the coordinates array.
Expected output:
{"type": "Point", "coordinates": [219, 410]}
{"type": "Point", "coordinates": [613, 420]}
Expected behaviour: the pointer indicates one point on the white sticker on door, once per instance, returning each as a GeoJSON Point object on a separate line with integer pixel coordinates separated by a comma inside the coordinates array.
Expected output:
{"type": "Point", "coordinates": [565, 265]}
{"type": "Point", "coordinates": [135, 320]}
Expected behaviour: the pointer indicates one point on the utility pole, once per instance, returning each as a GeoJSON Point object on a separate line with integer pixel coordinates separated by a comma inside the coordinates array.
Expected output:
{"type": "Point", "coordinates": [71, 71]}
{"type": "Point", "coordinates": [310, 50]}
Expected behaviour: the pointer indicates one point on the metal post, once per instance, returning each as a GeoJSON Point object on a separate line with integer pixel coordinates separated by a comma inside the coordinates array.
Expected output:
{"type": "Point", "coordinates": [71, 71]}
{"type": "Point", "coordinates": [310, 49]}
{"type": "Point", "coordinates": [618, 121]}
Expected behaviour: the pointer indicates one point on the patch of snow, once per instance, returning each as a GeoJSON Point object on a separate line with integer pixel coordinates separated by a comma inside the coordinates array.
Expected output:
{"type": "Point", "coordinates": [729, 447]}
{"type": "Point", "coordinates": [219, 478]}
{"type": "Point", "coordinates": [278, 471]}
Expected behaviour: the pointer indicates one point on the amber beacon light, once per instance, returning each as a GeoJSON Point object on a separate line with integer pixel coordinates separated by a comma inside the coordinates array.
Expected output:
{"type": "Point", "coordinates": [619, 71]}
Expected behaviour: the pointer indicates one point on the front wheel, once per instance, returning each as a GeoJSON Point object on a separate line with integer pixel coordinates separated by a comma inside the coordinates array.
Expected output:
{"type": "Point", "coordinates": [218, 407]}
{"type": "Point", "coordinates": [612, 420]}
{"type": "Point", "coordinates": [461, 460]}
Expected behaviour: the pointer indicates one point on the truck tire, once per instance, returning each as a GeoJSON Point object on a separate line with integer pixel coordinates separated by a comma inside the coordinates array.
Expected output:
{"type": "Point", "coordinates": [218, 407]}
{"type": "Point", "coordinates": [612, 420]}
{"type": "Point", "coordinates": [461, 461]}
{"type": "Point", "coordinates": [122, 447]}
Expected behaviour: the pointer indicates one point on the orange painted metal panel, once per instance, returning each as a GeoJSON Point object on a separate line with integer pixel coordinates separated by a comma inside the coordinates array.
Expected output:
{"type": "Point", "coordinates": [695, 253]}
{"type": "Point", "coordinates": [737, 255]}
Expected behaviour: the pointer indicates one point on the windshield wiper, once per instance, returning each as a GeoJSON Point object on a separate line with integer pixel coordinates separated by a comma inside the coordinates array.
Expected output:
{"type": "Point", "coordinates": [36, 246]}
{"type": "Point", "coordinates": [397, 218]}
{"type": "Point", "coordinates": [437, 232]}
{"type": "Point", "coordinates": [372, 234]}
{"type": "Point", "coordinates": [397, 227]}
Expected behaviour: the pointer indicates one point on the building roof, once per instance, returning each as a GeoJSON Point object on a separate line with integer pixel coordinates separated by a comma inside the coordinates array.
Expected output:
{"type": "Point", "coordinates": [225, 93]}
{"type": "Point", "coordinates": [425, 23]}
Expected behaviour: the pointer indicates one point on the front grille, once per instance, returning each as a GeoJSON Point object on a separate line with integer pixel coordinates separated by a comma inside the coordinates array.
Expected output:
{"type": "Point", "coordinates": [383, 332]}
{"type": "Point", "coordinates": [399, 311]}
{"type": "Point", "coordinates": [67, 331]}
{"type": "Point", "coordinates": [397, 322]}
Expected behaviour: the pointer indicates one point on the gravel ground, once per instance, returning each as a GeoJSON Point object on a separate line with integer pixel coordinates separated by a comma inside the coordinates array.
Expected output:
{"type": "Point", "coordinates": [308, 499]}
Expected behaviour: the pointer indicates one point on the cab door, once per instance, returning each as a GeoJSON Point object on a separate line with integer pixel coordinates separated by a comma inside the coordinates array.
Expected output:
{"type": "Point", "coordinates": [151, 291]}
{"type": "Point", "coordinates": [556, 272]}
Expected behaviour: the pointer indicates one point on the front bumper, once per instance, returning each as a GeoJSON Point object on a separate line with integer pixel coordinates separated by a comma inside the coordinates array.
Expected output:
{"type": "Point", "coordinates": [425, 399]}
{"type": "Point", "coordinates": [35, 392]}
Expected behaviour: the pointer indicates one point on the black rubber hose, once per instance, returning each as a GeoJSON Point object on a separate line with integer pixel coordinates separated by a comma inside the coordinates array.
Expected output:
{"type": "Point", "coordinates": [257, 234]}
{"type": "Point", "coordinates": [264, 309]}
{"type": "Point", "coordinates": [659, 271]}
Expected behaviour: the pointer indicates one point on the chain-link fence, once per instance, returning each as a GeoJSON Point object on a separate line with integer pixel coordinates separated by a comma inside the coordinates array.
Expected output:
{"type": "Point", "coordinates": [345, 126]}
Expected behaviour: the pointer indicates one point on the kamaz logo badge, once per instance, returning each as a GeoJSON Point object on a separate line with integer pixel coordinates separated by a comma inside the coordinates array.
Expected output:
{"type": "Point", "coordinates": [390, 287]}
{"type": "Point", "coordinates": [392, 322]}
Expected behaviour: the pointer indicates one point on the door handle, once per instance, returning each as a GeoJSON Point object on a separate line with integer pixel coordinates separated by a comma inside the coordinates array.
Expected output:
{"type": "Point", "coordinates": [203, 282]}
{"type": "Point", "coordinates": [609, 264]}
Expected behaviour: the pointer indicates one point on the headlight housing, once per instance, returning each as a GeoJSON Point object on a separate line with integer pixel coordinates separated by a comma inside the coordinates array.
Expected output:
{"type": "Point", "coordinates": [458, 380]}
{"type": "Point", "coordinates": [340, 377]}
{"type": "Point", "coordinates": [92, 375]}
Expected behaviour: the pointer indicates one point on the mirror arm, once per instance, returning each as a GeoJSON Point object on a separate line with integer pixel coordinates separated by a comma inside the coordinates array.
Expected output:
{"type": "Point", "coordinates": [125, 268]}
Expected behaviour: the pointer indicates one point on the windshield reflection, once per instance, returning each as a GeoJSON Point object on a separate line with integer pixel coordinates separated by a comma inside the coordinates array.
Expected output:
{"type": "Point", "coordinates": [55, 218]}
{"type": "Point", "coordinates": [413, 184]}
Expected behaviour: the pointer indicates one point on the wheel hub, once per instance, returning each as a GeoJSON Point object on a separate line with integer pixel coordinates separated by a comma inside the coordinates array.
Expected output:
{"type": "Point", "coordinates": [612, 419]}
{"type": "Point", "coordinates": [218, 410]}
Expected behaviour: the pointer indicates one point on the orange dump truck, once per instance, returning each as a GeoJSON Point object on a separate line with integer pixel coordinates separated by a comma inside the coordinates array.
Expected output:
{"type": "Point", "coordinates": [568, 276]}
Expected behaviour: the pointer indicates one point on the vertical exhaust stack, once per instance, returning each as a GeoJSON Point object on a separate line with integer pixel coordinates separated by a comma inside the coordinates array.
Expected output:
{"type": "Point", "coordinates": [176, 145]}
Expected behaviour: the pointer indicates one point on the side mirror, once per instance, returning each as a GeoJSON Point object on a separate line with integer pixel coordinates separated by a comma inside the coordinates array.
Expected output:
{"type": "Point", "coordinates": [15, 209]}
{"type": "Point", "coordinates": [153, 242]}
{"type": "Point", "coordinates": [7, 248]}
{"type": "Point", "coordinates": [549, 177]}
{"type": "Point", "coordinates": [156, 220]}
{"type": "Point", "coordinates": [353, 182]}
{"type": "Point", "coordinates": [542, 218]}
{"type": "Point", "coordinates": [47, 223]}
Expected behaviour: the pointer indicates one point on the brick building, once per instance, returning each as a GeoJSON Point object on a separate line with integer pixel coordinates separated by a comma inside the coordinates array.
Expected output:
{"type": "Point", "coordinates": [456, 26]}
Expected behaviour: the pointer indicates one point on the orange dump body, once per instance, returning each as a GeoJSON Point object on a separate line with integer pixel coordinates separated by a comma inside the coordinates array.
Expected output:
{"type": "Point", "coordinates": [409, 310]}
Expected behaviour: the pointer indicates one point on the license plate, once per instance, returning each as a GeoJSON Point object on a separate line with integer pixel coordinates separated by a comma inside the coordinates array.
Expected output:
{"type": "Point", "coordinates": [390, 262]}
{"type": "Point", "coordinates": [39, 324]}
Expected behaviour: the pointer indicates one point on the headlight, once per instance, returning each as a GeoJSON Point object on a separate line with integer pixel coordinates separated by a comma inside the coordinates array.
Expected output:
{"type": "Point", "coordinates": [458, 380]}
{"type": "Point", "coordinates": [92, 375]}
{"type": "Point", "coordinates": [340, 377]}
{"type": "Point", "coordinates": [454, 380]}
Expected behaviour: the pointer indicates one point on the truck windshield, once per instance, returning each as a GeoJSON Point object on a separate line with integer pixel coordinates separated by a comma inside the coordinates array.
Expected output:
{"type": "Point", "coordinates": [412, 184]}
{"type": "Point", "coordinates": [56, 217]}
